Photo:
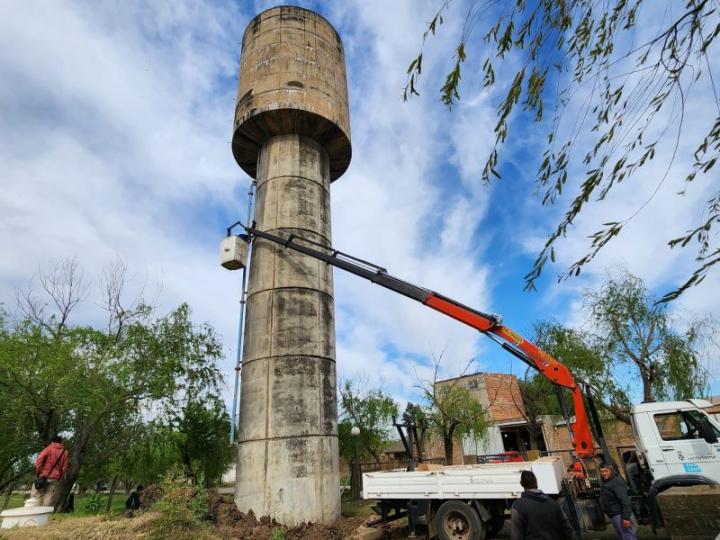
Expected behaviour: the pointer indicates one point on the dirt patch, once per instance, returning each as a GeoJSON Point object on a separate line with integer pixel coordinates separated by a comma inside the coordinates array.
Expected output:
{"type": "Point", "coordinates": [231, 523]}
{"type": "Point", "coordinates": [151, 495]}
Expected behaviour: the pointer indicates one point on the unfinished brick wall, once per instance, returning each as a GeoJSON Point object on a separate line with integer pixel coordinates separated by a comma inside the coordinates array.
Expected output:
{"type": "Point", "coordinates": [503, 393]}
{"type": "Point", "coordinates": [498, 393]}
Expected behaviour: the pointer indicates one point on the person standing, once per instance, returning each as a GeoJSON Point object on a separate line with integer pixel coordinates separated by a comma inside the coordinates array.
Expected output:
{"type": "Point", "coordinates": [616, 503]}
{"type": "Point", "coordinates": [535, 516]}
{"type": "Point", "coordinates": [50, 466]}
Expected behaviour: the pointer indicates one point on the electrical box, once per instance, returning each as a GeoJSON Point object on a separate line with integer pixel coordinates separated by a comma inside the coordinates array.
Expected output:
{"type": "Point", "coordinates": [233, 253]}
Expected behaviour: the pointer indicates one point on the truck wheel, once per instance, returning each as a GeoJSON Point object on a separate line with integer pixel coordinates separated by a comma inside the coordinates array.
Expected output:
{"type": "Point", "coordinates": [456, 520]}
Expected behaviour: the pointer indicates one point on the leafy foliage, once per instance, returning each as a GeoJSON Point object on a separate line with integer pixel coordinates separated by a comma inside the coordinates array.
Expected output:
{"type": "Point", "coordinates": [577, 46]}
{"type": "Point", "coordinates": [588, 360]}
{"type": "Point", "coordinates": [640, 332]}
{"type": "Point", "coordinates": [634, 340]}
{"type": "Point", "coordinates": [95, 384]}
{"type": "Point", "coordinates": [452, 412]}
{"type": "Point", "coordinates": [183, 509]}
{"type": "Point", "coordinates": [94, 504]}
{"type": "Point", "coordinates": [372, 412]}
{"type": "Point", "coordinates": [17, 447]}
{"type": "Point", "coordinates": [195, 436]}
{"type": "Point", "coordinates": [201, 435]}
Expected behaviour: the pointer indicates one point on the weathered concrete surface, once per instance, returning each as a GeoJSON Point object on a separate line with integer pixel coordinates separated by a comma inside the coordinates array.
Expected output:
{"type": "Point", "coordinates": [292, 133]}
{"type": "Point", "coordinates": [292, 80]}
{"type": "Point", "coordinates": [288, 446]}
{"type": "Point", "coordinates": [691, 513]}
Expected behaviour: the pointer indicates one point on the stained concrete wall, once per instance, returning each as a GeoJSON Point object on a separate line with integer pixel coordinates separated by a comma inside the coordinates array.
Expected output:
{"type": "Point", "coordinates": [292, 80]}
{"type": "Point", "coordinates": [288, 446]}
{"type": "Point", "coordinates": [291, 133]}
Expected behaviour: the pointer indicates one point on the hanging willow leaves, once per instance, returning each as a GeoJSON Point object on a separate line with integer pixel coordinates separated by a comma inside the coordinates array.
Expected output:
{"type": "Point", "coordinates": [578, 42]}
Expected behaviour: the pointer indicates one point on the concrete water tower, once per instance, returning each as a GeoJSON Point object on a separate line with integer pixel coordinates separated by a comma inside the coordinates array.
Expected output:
{"type": "Point", "coordinates": [292, 134]}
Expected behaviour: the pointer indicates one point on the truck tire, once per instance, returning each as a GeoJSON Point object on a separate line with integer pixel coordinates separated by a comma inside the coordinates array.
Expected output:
{"type": "Point", "coordinates": [457, 520]}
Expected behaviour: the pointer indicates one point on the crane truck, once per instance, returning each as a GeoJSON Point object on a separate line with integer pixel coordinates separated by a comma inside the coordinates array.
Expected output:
{"type": "Point", "coordinates": [677, 443]}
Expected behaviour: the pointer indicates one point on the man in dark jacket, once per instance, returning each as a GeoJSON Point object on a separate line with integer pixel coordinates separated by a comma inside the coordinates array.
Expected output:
{"type": "Point", "coordinates": [616, 503]}
{"type": "Point", "coordinates": [535, 516]}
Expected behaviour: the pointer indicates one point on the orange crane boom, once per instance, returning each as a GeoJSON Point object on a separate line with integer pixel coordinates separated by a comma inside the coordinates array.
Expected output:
{"type": "Point", "coordinates": [488, 324]}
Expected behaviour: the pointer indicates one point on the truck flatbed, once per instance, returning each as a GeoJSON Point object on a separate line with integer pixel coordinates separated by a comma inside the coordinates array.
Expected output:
{"type": "Point", "coordinates": [483, 481]}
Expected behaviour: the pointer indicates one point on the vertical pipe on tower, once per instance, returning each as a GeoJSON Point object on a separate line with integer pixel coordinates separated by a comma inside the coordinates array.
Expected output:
{"type": "Point", "coordinates": [292, 134]}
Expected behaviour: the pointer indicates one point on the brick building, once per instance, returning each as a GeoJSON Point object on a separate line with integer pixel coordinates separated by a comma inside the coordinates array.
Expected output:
{"type": "Point", "coordinates": [500, 395]}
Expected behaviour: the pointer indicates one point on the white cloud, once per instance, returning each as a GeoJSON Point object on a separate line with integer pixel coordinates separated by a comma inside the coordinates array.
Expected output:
{"type": "Point", "coordinates": [114, 142]}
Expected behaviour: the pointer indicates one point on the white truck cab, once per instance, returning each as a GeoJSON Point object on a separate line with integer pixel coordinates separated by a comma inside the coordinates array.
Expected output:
{"type": "Point", "coordinates": [676, 438]}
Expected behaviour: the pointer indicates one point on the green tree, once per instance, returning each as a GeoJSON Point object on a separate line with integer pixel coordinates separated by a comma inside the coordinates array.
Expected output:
{"type": "Point", "coordinates": [631, 95]}
{"type": "Point", "coordinates": [195, 437]}
{"type": "Point", "coordinates": [452, 411]}
{"type": "Point", "coordinates": [536, 398]}
{"type": "Point", "coordinates": [372, 411]}
{"type": "Point", "coordinates": [203, 440]}
{"type": "Point", "coordinates": [634, 340]}
{"type": "Point", "coordinates": [17, 446]}
{"type": "Point", "coordinates": [590, 363]}
{"type": "Point", "coordinates": [147, 457]}
{"type": "Point", "coordinates": [89, 383]}
{"type": "Point", "coordinates": [641, 333]}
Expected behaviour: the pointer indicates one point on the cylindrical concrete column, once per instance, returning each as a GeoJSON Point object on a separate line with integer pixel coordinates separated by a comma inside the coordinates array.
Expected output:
{"type": "Point", "coordinates": [288, 446]}
{"type": "Point", "coordinates": [292, 134]}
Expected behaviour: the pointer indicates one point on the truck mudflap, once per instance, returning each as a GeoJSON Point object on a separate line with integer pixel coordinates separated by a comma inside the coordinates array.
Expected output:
{"type": "Point", "coordinates": [676, 480]}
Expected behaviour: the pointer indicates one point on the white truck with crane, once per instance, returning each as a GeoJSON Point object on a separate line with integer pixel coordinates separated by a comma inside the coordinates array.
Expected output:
{"type": "Point", "coordinates": [678, 444]}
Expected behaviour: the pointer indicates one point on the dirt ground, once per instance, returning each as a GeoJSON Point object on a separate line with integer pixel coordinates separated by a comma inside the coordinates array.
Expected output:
{"type": "Point", "coordinates": [229, 523]}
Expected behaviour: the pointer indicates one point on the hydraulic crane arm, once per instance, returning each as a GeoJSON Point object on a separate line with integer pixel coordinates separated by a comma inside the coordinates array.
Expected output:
{"type": "Point", "coordinates": [490, 325]}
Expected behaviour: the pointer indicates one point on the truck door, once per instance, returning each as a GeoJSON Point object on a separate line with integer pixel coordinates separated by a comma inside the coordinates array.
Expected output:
{"type": "Point", "coordinates": [683, 438]}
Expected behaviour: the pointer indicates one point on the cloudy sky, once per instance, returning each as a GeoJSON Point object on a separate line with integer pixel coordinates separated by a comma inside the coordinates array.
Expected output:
{"type": "Point", "coordinates": [115, 124]}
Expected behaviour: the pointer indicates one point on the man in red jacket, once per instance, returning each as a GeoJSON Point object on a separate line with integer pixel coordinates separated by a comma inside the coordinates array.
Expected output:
{"type": "Point", "coordinates": [52, 464]}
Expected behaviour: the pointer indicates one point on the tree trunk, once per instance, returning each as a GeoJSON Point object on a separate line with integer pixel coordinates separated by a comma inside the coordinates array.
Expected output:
{"type": "Point", "coordinates": [375, 456]}
{"type": "Point", "coordinates": [63, 488]}
{"type": "Point", "coordinates": [647, 385]}
{"type": "Point", "coordinates": [112, 492]}
{"type": "Point", "coordinates": [77, 458]}
{"type": "Point", "coordinates": [7, 496]}
{"type": "Point", "coordinates": [448, 444]}
{"type": "Point", "coordinates": [187, 465]}
{"type": "Point", "coordinates": [533, 436]}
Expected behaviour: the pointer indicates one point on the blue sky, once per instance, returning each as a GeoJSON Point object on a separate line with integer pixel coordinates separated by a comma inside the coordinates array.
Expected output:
{"type": "Point", "coordinates": [116, 121]}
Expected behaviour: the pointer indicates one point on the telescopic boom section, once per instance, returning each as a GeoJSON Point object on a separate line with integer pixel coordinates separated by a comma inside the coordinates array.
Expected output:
{"type": "Point", "coordinates": [488, 324]}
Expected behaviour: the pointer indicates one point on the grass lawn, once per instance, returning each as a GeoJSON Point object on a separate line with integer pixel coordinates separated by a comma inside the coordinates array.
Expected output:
{"type": "Point", "coordinates": [358, 508]}
{"type": "Point", "coordinates": [81, 502]}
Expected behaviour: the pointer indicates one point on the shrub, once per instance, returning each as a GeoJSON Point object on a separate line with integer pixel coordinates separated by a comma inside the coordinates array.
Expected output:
{"type": "Point", "coordinates": [182, 508]}
{"type": "Point", "coordinates": [94, 504]}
